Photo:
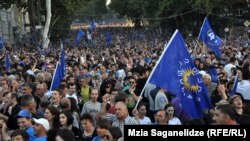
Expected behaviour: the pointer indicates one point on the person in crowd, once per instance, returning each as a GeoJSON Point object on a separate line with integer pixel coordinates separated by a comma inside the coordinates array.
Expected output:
{"type": "Point", "coordinates": [66, 121]}
{"type": "Point", "coordinates": [57, 95]}
{"type": "Point", "coordinates": [92, 106]}
{"type": "Point", "coordinates": [65, 135]}
{"type": "Point", "coordinates": [41, 127]}
{"type": "Point", "coordinates": [112, 134]}
{"type": "Point", "coordinates": [75, 112]}
{"type": "Point", "coordinates": [242, 115]}
{"type": "Point", "coordinates": [52, 115]}
{"type": "Point", "coordinates": [88, 126]}
{"type": "Point", "coordinates": [28, 102]}
{"type": "Point", "coordinates": [4, 132]}
{"type": "Point", "coordinates": [51, 134]}
{"type": "Point", "coordinates": [102, 126]}
{"type": "Point", "coordinates": [228, 67]}
{"type": "Point", "coordinates": [72, 92]}
{"type": "Point", "coordinates": [85, 90]}
{"type": "Point", "coordinates": [161, 118]}
{"type": "Point", "coordinates": [122, 116]}
{"type": "Point", "coordinates": [169, 108]}
{"type": "Point", "coordinates": [24, 119]}
{"type": "Point", "coordinates": [19, 135]}
{"type": "Point", "coordinates": [12, 120]}
{"type": "Point", "coordinates": [207, 81]}
{"type": "Point", "coordinates": [142, 111]}
{"type": "Point", "coordinates": [225, 114]}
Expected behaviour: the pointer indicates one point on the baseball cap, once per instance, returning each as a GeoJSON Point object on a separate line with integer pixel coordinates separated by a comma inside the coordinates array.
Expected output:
{"type": "Point", "coordinates": [42, 121]}
{"type": "Point", "coordinates": [24, 113]}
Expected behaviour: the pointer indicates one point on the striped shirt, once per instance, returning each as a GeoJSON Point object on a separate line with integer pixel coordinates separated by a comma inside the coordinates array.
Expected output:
{"type": "Point", "coordinates": [128, 121]}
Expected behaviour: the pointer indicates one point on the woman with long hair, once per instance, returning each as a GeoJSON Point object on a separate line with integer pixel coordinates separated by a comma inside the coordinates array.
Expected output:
{"type": "Point", "coordinates": [52, 115]}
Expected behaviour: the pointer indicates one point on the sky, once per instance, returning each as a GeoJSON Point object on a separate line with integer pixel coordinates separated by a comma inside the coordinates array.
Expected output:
{"type": "Point", "coordinates": [108, 2]}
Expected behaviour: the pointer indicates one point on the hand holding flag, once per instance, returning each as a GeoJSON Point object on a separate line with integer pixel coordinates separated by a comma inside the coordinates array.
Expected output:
{"type": "Point", "coordinates": [176, 73]}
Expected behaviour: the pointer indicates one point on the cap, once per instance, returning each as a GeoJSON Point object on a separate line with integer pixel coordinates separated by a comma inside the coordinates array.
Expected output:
{"type": "Point", "coordinates": [42, 121]}
{"type": "Point", "coordinates": [24, 113]}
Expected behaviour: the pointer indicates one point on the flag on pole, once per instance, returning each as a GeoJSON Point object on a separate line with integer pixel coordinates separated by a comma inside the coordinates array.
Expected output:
{"type": "Point", "coordinates": [236, 80]}
{"type": "Point", "coordinates": [1, 43]}
{"type": "Point", "coordinates": [176, 73]}
{"type": "Point", "coordinates": [57, 77]}
{"type": "Point", "coordinates": [92, 26]}
{"type": "Point", "coordinates": [208, 36]}
{"type": "Point", "coordinates": [7, 62]}
{"type": "Point", "coordinates": [79, 36]}
{"type": "Point", "coordinates": [108, 38]}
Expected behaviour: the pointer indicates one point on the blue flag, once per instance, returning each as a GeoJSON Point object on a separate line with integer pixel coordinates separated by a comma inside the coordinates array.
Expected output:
{"type": "Point", "coordinates": [213, 73]}
{"type": "Point", "coordinates": [1, 43]}
{"type": "Point", "coordinates": [7, 62]}
{"type": "Point", "coordinates": [57, 77]}
{"type": "Point", "coordinates": [79, 36]}
{"type": "Point", "coordinates": [176, 73]}
{"type": "Point", "coordinates": [62, 61]}
{"type": "Point", "coordinates": [92, 26]}
{"type": "Point", "coordinates": [108, 38]}
{"type": "Point", "coordinates": [236, 80]}
{"type": "Point", "coordinates": [208, 36]}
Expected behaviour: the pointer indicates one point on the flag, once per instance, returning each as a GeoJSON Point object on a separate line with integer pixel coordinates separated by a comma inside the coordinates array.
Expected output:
{"type": "Point", "coordinates": [7, 62]}
{"type": "Point", "coordinates": [92, 26]}
{"type": "Point", "coordinates": [57, 77]}
{"type": "Point", "coordinates": [208, 36]}
{"type": "Point", "coordinates": [236, 80]}
{"type": "Point", "coordinates": [1, 43]}
{"type": "Point", "coordinates": [108, 38]}
{"type": "Point", "coordinates": [79, 36]}
{"type": "Point", "coordinates": [213, 73]}
{"type": "Point", "coordinates": [62, 61]}
{"type": "Point", "coordinates": [176, 73]}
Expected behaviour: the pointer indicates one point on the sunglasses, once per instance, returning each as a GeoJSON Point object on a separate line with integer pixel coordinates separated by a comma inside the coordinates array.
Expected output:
{"type": "Point", "coordinates": [106, 137]}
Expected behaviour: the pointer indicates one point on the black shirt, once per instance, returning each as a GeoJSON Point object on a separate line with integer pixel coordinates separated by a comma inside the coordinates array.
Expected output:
{"type": "Point", "coordinates": [12, 121]}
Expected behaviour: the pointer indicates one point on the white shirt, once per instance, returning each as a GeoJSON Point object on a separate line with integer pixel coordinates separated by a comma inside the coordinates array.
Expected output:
{"type": "Point", "coordinates": [74, 96]}
{"type": "Point", "coordinates": [145, 121]}
{"type": "Point", "coordinates": [174, 121]}
{"type": "Point", "coordinates": [228, 68]}
{"type": "Point", "coordinates": [243, 88]}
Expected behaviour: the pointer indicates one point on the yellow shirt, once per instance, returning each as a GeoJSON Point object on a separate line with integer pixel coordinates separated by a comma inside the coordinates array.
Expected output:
{"type": "Point", "coordinates": [85, 93]}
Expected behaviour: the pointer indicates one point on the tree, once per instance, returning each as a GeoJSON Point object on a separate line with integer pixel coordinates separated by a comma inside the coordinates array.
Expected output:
{"type": "Point", "coordinates": [47, 24]}
{"type": "Point", "coordinates": [132, 9]}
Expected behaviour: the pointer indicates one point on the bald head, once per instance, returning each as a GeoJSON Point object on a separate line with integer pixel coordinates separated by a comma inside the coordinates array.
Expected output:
{"type": "Point", "coordinates": [121, 110]}
{"type": "Point", "coordinates": [65, 104]}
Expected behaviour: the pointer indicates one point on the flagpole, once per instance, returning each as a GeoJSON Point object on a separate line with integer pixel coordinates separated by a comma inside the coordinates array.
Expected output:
{"type": "Point", "coordinates": [234, 86]}
{"type": "Point", "coordinates": [165, 49]}
{"type": "Point", "coordinates": [53, 77]}
{"type": "Point", "coordinates": [201, 27]}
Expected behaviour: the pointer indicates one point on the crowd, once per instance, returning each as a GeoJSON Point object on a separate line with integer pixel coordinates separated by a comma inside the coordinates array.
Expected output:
{"type": "Point", "coordinates": [103, 84]}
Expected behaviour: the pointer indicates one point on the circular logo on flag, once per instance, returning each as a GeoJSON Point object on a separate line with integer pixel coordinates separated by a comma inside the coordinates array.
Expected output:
{"type": "Point", "coordinates": [186, 81]}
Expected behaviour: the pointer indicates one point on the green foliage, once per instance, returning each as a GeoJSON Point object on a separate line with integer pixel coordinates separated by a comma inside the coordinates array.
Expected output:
{"type": "Point", "coordinates": [6, 4]}
{"type": "Point", "coordinates": [92, 10]}
{"type": "Point", "coordinates": [63, 11]}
